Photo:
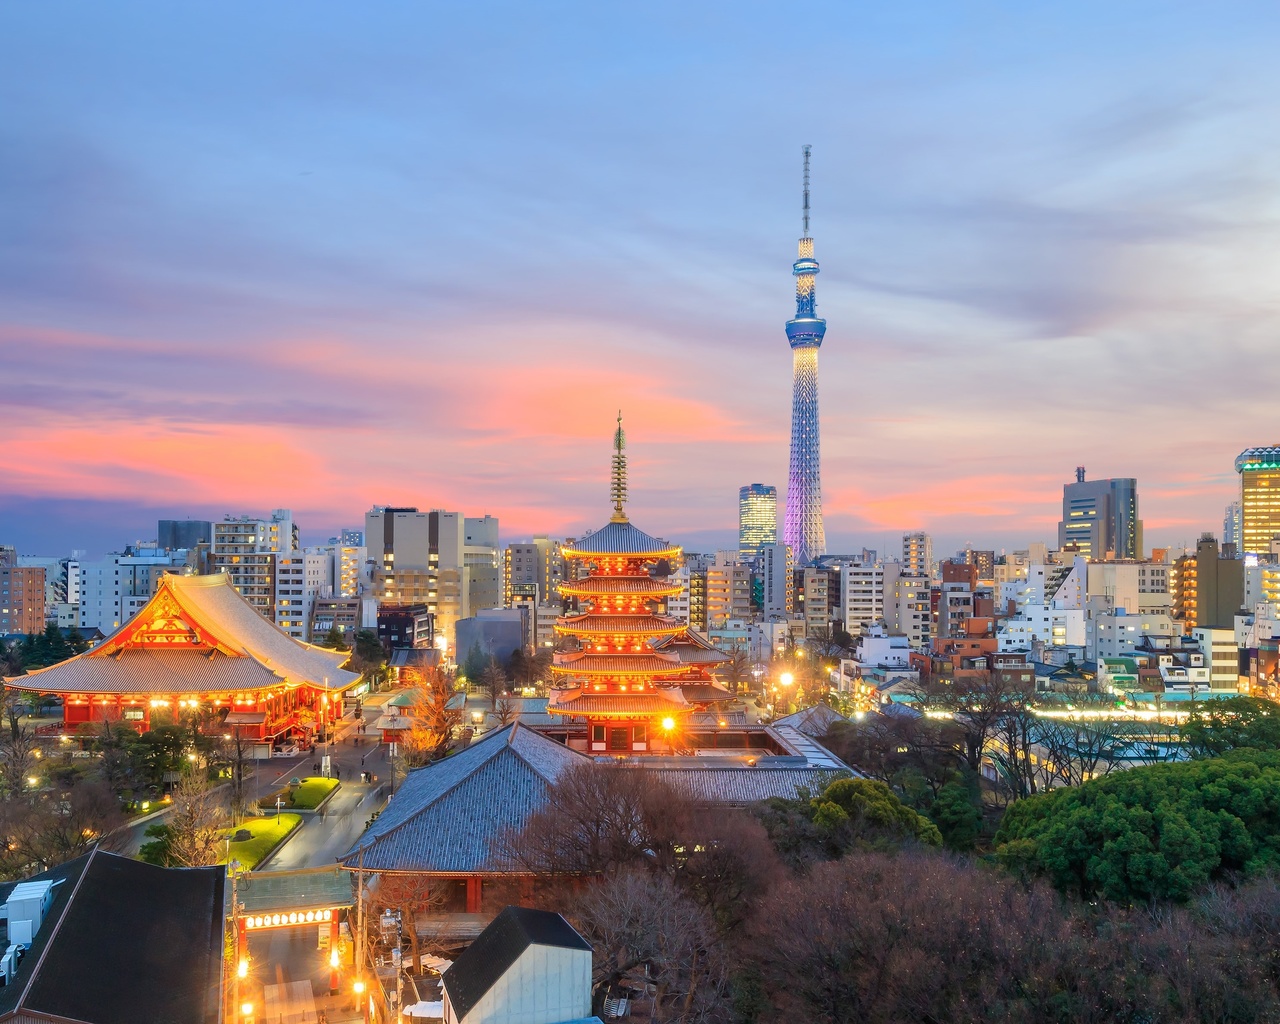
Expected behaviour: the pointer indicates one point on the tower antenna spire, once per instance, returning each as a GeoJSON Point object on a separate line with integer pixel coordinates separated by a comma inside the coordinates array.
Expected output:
{"type": "Point", "coordinates": [618, 489]}
{"type": "Point", "coordinates": [806, 190]}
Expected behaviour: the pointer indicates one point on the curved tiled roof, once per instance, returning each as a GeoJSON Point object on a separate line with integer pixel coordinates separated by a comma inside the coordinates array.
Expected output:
{"type": "Point", "coordinates": [445, 817]}
{"type": "Point", "coordinates": [742, 786]}
{"type": "Point", "coordinates": [206, 607]}
{"type": "Point", "coordinates": [599, 586]}
{"type": "Point", "coordinates": [144, 671]}
{"type": "Point", "coordinates": [619, 539]}
{"type": "Point", "coordinates": [639, 625]}
{"type": "Point", "coordinates": [588, 663]}
{"type": "Point", "coordinates": [651, 702]}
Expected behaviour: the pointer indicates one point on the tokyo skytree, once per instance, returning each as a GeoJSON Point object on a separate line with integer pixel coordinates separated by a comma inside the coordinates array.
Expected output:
{"type": "Point", "coordinates": [803, 529]}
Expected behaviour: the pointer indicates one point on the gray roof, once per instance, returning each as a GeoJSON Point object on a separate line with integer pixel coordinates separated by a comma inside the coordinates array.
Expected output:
{"type": "Point", "coordinates": [804, 745]}
{"type": "Point", "coordinates": [618, 539]}
{"type": "Point", "coordinates": [444, 817]}
{"type": "Point", "coordinates": [741, 786]}
{"type": "Point", "coordinates": [815, 721]}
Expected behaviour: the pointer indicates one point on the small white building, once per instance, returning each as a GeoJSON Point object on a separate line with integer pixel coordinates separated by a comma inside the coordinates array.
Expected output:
{"type": "Point", "coordinates": [526, 967]}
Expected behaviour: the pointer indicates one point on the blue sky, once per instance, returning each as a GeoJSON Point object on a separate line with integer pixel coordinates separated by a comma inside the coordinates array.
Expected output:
{"type": "Point", "coordinates": [324, 256]}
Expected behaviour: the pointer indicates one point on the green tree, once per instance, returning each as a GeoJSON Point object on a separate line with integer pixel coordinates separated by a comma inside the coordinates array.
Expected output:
{"type": "Point", "coordinates": [333, 639]}
{"type": "Point", "coordinates": [958, 818]}
{"type": "Point", "coordinates": [474, 664]}
{"type": "Point", "coordinates": [1158, 832]}
{"type": "Point", "coordinates": [1218, 726]}
{"type": "Point", "coordinates": [869, 807]}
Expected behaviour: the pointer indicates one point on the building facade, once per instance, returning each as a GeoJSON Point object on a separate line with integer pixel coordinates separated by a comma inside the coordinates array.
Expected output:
{"type": "Point", "coordinates": [757, 519]}
{"type": "Point", "coordinates": [1259, 470]}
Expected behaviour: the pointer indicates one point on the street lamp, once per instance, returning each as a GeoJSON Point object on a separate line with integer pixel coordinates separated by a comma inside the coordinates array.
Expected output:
{"type": "Point", "coordinates": [278, 802]}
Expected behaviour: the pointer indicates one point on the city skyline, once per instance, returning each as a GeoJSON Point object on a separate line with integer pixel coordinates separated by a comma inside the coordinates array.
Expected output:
{"type": "Point", "coordinates": [225, 294]}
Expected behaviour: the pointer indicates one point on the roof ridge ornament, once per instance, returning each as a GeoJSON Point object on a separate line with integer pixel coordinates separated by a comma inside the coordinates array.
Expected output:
{"type": "Point", "coordinates": [618, 488]}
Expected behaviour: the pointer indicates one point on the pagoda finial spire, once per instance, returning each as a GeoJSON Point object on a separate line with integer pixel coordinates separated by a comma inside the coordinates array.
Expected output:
{"type": "Point", "coordinates": [618, 489]}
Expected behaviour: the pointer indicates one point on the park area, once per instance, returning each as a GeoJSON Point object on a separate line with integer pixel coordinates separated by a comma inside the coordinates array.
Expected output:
{"type": "Point", "coordinates": [300, 794]}
{"type": "Point", "coordinates": [259, 836]}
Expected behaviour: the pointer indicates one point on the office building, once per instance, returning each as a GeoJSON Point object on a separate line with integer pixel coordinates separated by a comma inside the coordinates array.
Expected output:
{"type": "Point", "coordinates": [1259, 470]}
{"type": "Point", "coordinates": [1232, 520]}
{"type": "Point", "coordinates": [1100, 518]}
{"type": "Point", "coordinates": [114, 589]}
{"type": "Point", "coordinates": [22, 599]}
{"type": "Point", "coordinates": [757, 519]}
{"type": "Point", "coordinates": [778, 579]}
{"type": "Point", "coordinates": [175, 534]}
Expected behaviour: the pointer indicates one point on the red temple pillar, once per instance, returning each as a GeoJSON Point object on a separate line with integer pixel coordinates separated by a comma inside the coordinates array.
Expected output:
{"type": "Point", "coordinates": [473, 895]}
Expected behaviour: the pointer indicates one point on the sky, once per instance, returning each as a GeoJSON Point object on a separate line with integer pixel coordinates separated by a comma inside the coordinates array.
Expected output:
{"type": "Point", "coordinates": [326, 255]}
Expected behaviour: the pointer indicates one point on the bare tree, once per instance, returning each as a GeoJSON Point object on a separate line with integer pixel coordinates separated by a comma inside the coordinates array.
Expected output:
{"type": "Point", "coordinates": [649, 937]}
{"type": "Point", "coordinates": [408, 894]}
{"type": "Point", "coordinates": [597, 817]}
{"type": "Point", "coordinates": [506, 710]}
{"type": "Point", "coordinates": [493, 681]}
{"type": "Point", "coordinates": [18, 752]}
{"type": "Point", "coordinates": [235, 753]}
{"type": "Point", "coordinates": [735, 672]}
{"type": "Point", "coordinates": [195, 824]}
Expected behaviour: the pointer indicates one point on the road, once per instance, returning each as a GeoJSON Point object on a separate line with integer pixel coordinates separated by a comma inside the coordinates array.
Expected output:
{"type": "Point", "coordinates": [324, 836]}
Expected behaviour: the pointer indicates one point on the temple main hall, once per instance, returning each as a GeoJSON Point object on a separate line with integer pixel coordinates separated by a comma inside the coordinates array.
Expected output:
{"type": "Point", "coordinates": [199, 649]}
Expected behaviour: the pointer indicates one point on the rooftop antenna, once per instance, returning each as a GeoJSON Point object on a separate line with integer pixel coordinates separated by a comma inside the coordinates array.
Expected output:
{"type": "Point", "coordinates": [618, 488]}
{"type": "Point", "coordinates": [806, 190]}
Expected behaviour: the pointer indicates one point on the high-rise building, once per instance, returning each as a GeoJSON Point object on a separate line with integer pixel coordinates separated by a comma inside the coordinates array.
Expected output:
{"type": "Point", "coordinates": [247, 549]}
{"type": "Point", "coordinates": [1207, 589]}
{"type": "Point", "coordinates": [803, 528]}
{"type": "Point", "coordinates": [917, 554]}
{"type": "Point", "coordinates": [177, 534]}
{"type": "Point", "coordinates": [1259, 470]}
{"type": "Point", "coordinates": [757, 519]}
{"type": "Point", "coordinates": [21, 599]}
{"type": "Point", "coordinates": [399, 543]}
{"type": "Point", "coordinates": [1231, 522]}
{"type": "Point", "coordinates": [1100, 518]}
{"type": "Point", "coordinates": [778, 591]}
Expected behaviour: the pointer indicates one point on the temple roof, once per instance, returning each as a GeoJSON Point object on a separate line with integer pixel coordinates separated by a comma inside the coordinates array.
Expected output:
{"type": "Point", "coordinates": [617, 538]}
{"type": "Point", "coordinates": [592, 586]}
{"type": "Point", "coordinates": [444, 818]}
{"type": "Point", "coordinates": [590, 663]}
{"type": "Point", "coordinates": [691, 647]}
{"type": "Point", "coordinates": [646, 702]}
{"type": "Point", "coordinates": [196, 634]}
{"type": "Point", "coordinates": [605, 623]}
{"type": "Point", "coordinates": [705, 693]}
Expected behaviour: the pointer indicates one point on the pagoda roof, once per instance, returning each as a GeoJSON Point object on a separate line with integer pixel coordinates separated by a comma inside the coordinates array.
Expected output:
{"type": "Point", "coordinates": [195, 635]}
{"type": "Point", "coordinates": [649, 702]}
{"type": "Point", "coordinates": [592, 663]}
{"type": "Point", "coordinates": [692, 648]}
{"type": "Point", "coordinates": [593, 622]}
{"type": "Point", "coordinates": [619, 538]}
{"type": "Point", "coordinates": [593, 586]}
{"type": "Point", "coordinates": [705, 693]}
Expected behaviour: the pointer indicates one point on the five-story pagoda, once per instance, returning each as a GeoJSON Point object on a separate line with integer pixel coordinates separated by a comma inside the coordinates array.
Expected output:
{"type": "Point", "coordinates": [608, 669]}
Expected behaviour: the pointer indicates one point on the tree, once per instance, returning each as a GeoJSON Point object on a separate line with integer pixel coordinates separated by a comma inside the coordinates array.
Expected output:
{"type": "Point", "coordinates": [977, 702]}
{"type": "Point", "coordinates": [648, 936]}
{"type": "Point", "coordinates": [84, 815]}
{"type": "Point", "coordinates": [866, 808]}
{"type": "Point", "coordinates": [433, 719]}
{"type": "Point", "coordinates": [473, 665]}
{"type": "Point", "coordinates": [597, 817]}
{"type": "Point", "coordinates": [505, 710]}
{"type": "Point", "coordinates": [1217, 726]}
{"type": "Point", "coordinates": [957, 816]}
{"type": "Point", "coordinates": [735, 672]}
{"type": "Point", "coordinates": [1158, 832]}
{"type": "Point", "coordinates": [195, 824]}
{"type": "Point", "coordinates": [333, 639]}
{"type": "Point", "coordinates": [493, 681]}
{"type": "Point", "coordinates": [235, 754]}
{"type": "Point", "coordinates": [17, 761]}
{"type": "Point", "coordinates": [916, 755]}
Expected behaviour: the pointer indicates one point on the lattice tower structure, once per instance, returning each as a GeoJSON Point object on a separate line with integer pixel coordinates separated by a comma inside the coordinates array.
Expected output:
{"type": "Point", "coordinates": [802, 526]}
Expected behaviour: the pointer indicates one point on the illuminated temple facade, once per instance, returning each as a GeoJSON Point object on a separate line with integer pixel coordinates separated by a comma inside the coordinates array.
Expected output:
{"type": "Point", "coordinates": [633, 674]}
{"type": "Point", "coordinates": [199, 650]}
